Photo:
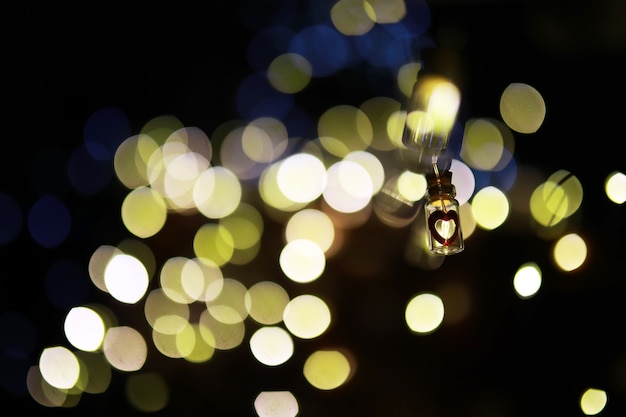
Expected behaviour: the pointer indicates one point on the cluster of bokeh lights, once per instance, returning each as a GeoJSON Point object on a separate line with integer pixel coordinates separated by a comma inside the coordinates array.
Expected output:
{"type": "Point", "coordinates": [246, 173]}
{"type": "Point", "coordinates": [318, 193]}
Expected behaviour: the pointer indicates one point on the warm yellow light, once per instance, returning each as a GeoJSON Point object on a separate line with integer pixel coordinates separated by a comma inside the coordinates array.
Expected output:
{"type": "Point", "coordinates": [593, 401]}
{"type": "Point", "coordinates": [424, 313]}
{"type": "Point", "coordinates": [615, 187]}
{"type": "Point", "coordinates": [490, 207]}
{"type": "Point", "coordinates": [570, 252]}
{"type": "Point", "coordinates": [522, 108]}
{"type": "Point", "coordinates": [527, 280]}
{"type": "Point", "coordinates": [327, 369]}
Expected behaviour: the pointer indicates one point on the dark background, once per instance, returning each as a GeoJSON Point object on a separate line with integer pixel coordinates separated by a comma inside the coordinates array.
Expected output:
{"type": "Point", "coordinates": [510, 357]}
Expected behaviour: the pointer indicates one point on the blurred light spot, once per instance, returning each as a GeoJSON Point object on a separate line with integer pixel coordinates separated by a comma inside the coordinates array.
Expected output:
{"type": "Point", "coordinates": [395, 128]}
{"type": "Point", "coordinates": [131, 160]}
{"type": "Point", "coordinates": [125, 348]}
{"type": "Point", "coordinates": [484, 144]}
{"type": "Point", "coordinates": [222, 336]}
{"type": "Point", "coordinates": [201, 350]}
{"type": "Point", "coordinates": [66, 284]}
{"type": "Point", "coordinates": [144, 212]}
{"type": "Point", "coordinates": [301, 177]}
{"type": "Point", "coordinates": [271, 345]}
{"type": "Point", "coordinates": [195, 141]}
{"type": "Point", "coordinates": [265, 139]}
{"type": "Point", "coordinates": [174, 174]}
{"type": "Point", "coordinates": [379, 111]}
{"type": "Point", "coordinates": [352, 17]}
{"type": "Point", "coordinates": [140, 250]}
{"type": "Point", "coordinates": [42, 392]}
{"type": "Point", "coordinates": [411, 186]}
{"type": "Point", "coordinates": [276, 404]}
{"type": "Point", "coordinates": [266, 302]}
{"type": "Point", "coordinates": [188, 286]}
{"type": "Point", "coordinates": [307, 316]}
{"type": "Point", "coordinates": [84, 329]}
{"type": "Point", "coordinates": [59, 367]}
{"type": "Point", "coordinates": [207, 286]}
{"type": "Point", "coordinates": [175, 345]}
{"type": "Point", "coordinates": [372, 165]}
{"type": "Point", "coordinates": [424, 313]}
{"type": "Point", "coordinates": [570, 252]}
{"type": "Point", "coordinates": [241, 256]}
{"type": "Point", "coordinates": [11, 218]}
{"type": "Point", "coordinates": [327, 369]}
{"type": "Point", "coordinates": [126, 278]}
{"type": "Point", "coordinates": [289, 73]}
{"type": "Point", "coordinates": [407, 74]}
{"type": "Point", "coordinates": [302, 260]}
{"type": "Point", "coordinates": [164, 314]}
{"type": "Point", "coordinates": [213, 242]}
{"type": "Point", "coordinates": [343, 129]}
{"type": "Point", "coordinates": [95, 370]}
{"type": "Point", "coordinates": [191, 346]}
{"type": "Point", "coordinates": [593, 401]}
{"type": "Point", "coordinates": [147, 392]}
{"type": "Point", "coordinates": [160, 128]}
{"type": "Point", "coordinates": [229, 305]}
{"type": "Point", "coordinates": [556, 199]}
{"type": "Point", "coordinates": [387, 11]}
{"type": "Point", "coordinates": [241, 150]}
{"type": "Point", "coordinates": [522, 108]}
{"type": "Point", "coordinates": [490, 208]}
{"type": "Point", "coordinates": [246, 225]}
{"type": "Point", "coordinates": [49, 221]}
{"type": "Point", "coordinates": [614, 186]}
{"type": "Point", "coordinates": [104, 131]}
{"type": "Point", "coordinates": [98, 262]}
{"type": "Point", "coordinates": [174, 271]}
{"type": "Point", "coordinates": [349, 187]}
{"type": "Point", "coordinates": [246, 150]}
{"type": "Point", "coordinates": [274, 197]}
{"type": "Point", "coordinates": [469, 222]}
{"type": "Point", "coordinates": [87, 174]}
{"type": "Point", "coordinates": [311, 224]}
{"type": "Point", "coordinates": [527, 280]}
{"type": "Point", "coordinates": [463, 180]}
{"type": "Point", "coordinates": [217, 192]}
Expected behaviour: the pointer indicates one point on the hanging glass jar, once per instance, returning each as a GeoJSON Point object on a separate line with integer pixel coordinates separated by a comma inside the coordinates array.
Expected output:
{"type": "Point", "coordinates": [443, 225]}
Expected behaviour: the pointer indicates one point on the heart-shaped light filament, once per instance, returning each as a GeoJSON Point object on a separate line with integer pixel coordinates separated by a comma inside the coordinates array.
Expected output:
{"type": "Point", "coordinates": [444, 227]}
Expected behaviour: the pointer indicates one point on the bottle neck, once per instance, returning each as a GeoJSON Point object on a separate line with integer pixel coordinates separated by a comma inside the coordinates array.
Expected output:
{"type": "Point", "coordinates": [438, 185]}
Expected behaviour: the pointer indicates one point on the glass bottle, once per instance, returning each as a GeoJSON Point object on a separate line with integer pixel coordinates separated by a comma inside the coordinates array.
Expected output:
{"type": "Point", "coordinates": [443, 225]}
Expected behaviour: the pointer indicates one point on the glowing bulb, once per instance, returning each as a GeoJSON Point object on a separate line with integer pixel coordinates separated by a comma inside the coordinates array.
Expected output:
{"type": "Point", "coordinates": [430, 117]}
